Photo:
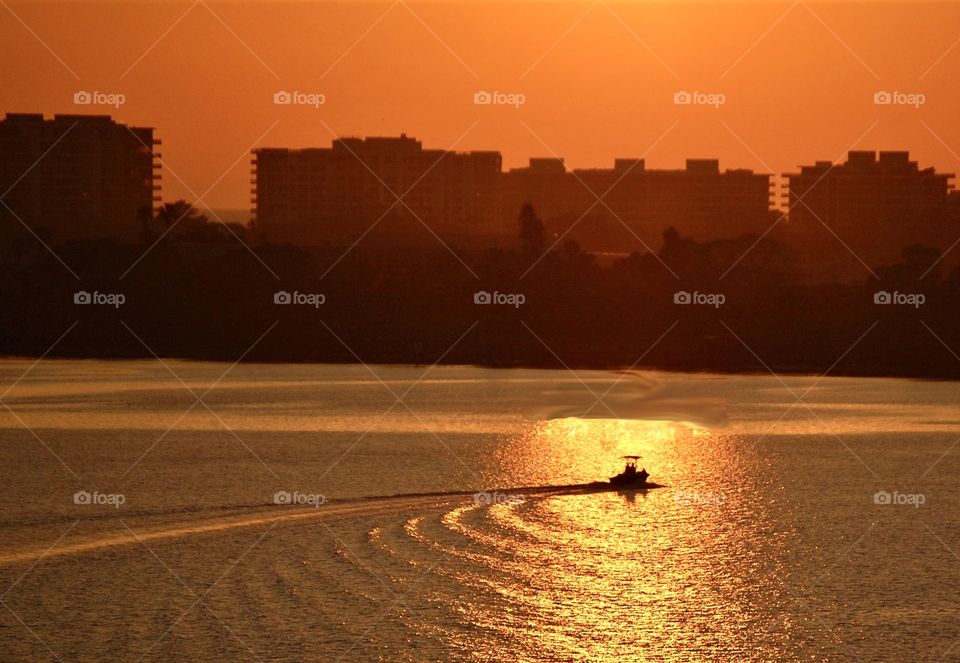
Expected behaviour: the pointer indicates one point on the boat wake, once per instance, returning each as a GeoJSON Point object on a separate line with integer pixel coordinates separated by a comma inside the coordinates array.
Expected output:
{"type": "Point", "coordinates": [247, 516]}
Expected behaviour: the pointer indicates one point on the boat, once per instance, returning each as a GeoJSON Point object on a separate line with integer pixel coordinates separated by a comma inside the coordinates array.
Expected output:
{"type": "Point", "coordinates": [630, 477]}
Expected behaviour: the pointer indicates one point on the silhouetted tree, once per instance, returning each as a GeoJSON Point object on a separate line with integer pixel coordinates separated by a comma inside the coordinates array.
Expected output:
{"type": "Point", "coordinates": [180, 221]}
{"type": "Point", "coordinates": [917, 271]}
{"type": "Point", "coordinates": [532, 234]}
{"type": "Point", "coordinates": [179, 211]}
{"type": "Point", "coordinates": [922, 259]}
{"type": "Point", "coordinates": [211, 299]}
{"type": "Point", "coordinates": [145, 216]}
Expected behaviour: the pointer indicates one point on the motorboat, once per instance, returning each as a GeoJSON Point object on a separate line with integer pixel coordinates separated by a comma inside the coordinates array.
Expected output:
{"type": "Point", "coordinates": [631, 477]}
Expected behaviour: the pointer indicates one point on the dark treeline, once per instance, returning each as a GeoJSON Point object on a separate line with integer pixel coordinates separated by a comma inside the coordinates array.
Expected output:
{"type": "Point", "coordinates": [386, 302]}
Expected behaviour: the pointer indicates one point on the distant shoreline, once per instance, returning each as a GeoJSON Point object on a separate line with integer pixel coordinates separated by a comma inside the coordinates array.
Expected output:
{"type": "Point", "coordinates": [397, 308]}
{"type": "Point", "coordinates": [794, 371]}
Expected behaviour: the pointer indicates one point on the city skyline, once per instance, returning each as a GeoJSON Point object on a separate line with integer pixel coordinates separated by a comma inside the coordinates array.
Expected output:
{"type": "Point", "coordinates": [794, 80]}
{"type": "Point", "coordinates": [88, 177]}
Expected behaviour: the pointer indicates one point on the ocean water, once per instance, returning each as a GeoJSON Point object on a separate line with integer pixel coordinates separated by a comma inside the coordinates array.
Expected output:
{"type": "Point", "coordinates": [800, 518]}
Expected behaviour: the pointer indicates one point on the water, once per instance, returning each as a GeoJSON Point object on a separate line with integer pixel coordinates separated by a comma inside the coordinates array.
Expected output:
{"type": "Point", "coordinates": [766, 544]}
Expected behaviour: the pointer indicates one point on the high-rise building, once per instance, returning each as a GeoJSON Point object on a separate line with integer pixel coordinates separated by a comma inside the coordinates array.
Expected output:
{"type": "Point", "coordinates": [610, 208]}
{"type": "Point", "coordinates": [77, 176]}
{"type": "Point", "coordinates": [875, 205]}
{"type": "Point", "coordinates": [336, 194]}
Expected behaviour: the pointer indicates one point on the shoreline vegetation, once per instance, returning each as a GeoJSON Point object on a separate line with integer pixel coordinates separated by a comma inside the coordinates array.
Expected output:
{"type": "Point", "coordinates": [783, 372]}
{"type": "Point", "coordinates": [749, 305]}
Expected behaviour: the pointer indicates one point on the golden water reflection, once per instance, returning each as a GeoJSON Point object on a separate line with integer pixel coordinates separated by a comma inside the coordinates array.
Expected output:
{"type": "Point", "coordinates": [737, 558]}
{"type": "Point", "coordinates": [621, 575]}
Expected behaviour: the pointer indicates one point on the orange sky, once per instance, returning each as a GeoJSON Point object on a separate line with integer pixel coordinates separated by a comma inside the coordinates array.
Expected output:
{"type": "Point", "coordinates": [598, 79]}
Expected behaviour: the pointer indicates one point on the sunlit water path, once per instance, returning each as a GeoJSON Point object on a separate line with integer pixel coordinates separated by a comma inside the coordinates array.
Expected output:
{"type": "Point", "coordinates": [819, 530]}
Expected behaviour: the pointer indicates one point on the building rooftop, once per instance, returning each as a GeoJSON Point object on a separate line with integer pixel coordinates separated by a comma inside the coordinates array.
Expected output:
{"type": "Point", "coordinates": [870, 162]}
{"type": "Point", "coordinates": [59, 117]}
{"type": "Point", "coordinates": [401, 144]}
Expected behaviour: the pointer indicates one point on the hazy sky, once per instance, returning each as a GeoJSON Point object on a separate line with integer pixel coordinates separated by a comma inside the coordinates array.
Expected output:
{"type": "Point", "coordinates": [598, 80]}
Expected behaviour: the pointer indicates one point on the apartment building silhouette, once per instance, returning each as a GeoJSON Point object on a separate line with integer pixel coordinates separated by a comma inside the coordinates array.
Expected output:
{"type": "Point", "coordinates": [77, 176]}
{"type": "Point", "coordinates": [875, 203]}
{"type": "Point", "coordinates": [87, 177]}
{"type": "Point", "coordinates": [335, 194]}
{"type": "Point", "coordinates": [330, 195]}
{"type": "Point", "coordinates": [617, 208]}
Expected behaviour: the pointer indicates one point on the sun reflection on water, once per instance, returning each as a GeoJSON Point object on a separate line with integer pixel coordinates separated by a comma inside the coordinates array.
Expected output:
{"type": "Point", "coordinates": [622, 574]}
